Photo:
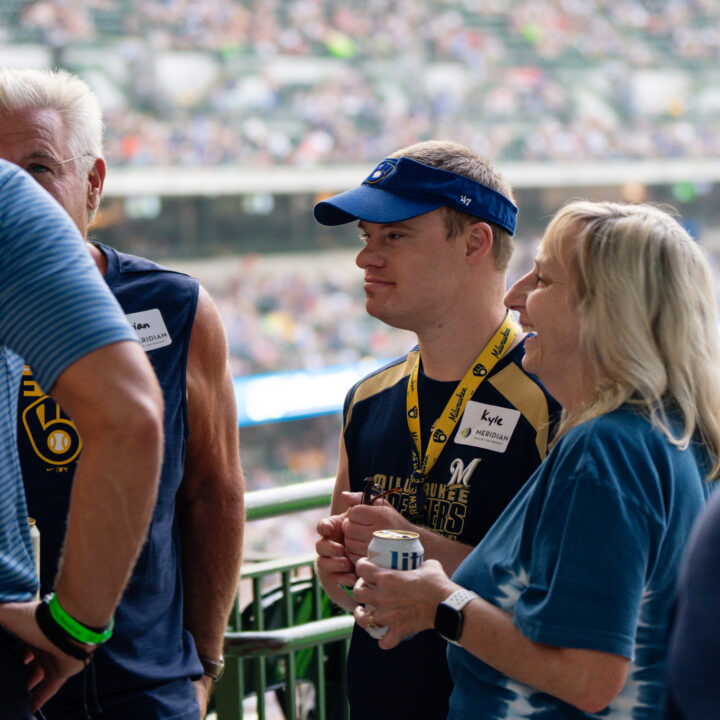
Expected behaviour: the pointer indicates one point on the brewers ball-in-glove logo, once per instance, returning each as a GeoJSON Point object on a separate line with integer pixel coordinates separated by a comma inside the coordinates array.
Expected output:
{"type": "Point", "coordinates": [381, 172]}
{"type": "Point", "coordinates": [479, 370]}
{"type": "Point", "coordinates": [52, 435]}
{"type": "Point", "coordinates": [439, 436]}
{"type": "Point", "coordinates": [413, 411]}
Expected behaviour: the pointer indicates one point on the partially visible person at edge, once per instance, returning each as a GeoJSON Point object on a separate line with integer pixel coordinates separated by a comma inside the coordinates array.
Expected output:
{"type": "Point", "coordinates": [571, 589]}
{"type": "Point", "coordinates": [169, 626]}
{"type": "Point", "coordinates": [56, 312]}
{"type": "Point", "coordinates": [694, 650]}
{"type": "Point", "coordinates": [456, 423]}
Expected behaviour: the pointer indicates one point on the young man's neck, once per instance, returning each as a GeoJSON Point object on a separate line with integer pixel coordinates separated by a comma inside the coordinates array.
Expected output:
{"type": "Point", "coordinates": [448, 352]}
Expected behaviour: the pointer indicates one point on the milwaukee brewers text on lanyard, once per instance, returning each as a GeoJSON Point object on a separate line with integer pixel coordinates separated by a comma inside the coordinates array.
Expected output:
{"type": "Point", "coordinates": [445, 424]}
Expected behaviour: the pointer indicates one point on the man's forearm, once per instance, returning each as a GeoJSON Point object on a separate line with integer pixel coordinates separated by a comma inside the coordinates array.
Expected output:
{"type": "Point", "coordinates": [111, 505]}
{"type": "Point", "coordinates": [115, 401]}
{"type": "Point", "coordinates": [449, 553]}
{"type": "Point", "coordinates": [212, 537]}
{"type": "Point", "coordinates": [210, 503]}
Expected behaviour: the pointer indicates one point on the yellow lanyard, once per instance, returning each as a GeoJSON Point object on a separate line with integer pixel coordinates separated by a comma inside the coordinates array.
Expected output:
{"type": "Point", "coordinates": [445, 424]}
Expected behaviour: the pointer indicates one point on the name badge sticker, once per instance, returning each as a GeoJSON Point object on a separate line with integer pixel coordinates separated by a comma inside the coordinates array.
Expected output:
{"type": "Point", "coordinates": [487, 426]}
{"type": "Point", "coordinates": [150, 328]}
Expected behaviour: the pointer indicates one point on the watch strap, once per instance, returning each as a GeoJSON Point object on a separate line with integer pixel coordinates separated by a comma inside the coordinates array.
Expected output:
{"type": "Point", "coordinates": [212, 668]}
{"type": "Point", "coordinates": [450, 611]}
{"type": "Point", "coordinates": [460, 598]}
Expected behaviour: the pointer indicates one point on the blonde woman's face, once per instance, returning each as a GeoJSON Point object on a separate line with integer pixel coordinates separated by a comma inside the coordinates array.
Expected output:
{"type": "Point", "coordinates": [548, 313]}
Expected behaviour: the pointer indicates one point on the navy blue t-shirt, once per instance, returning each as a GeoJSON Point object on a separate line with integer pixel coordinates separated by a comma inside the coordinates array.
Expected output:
{"type": "Point", "coordinates": [480, 469]}
{"type": "Point", "coordinates": [145, 669]}
{"type": "Point", "coordinates": [694, 650]}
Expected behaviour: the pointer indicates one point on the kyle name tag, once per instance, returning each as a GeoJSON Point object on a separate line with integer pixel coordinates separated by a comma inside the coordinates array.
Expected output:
{"type": "Point", "coordinates": [150, 328]}
{"type": "Point", "coordinates": [487, 426]}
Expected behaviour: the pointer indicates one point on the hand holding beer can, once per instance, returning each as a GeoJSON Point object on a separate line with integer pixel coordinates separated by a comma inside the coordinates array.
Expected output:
{"type": "Point", "coordinates": [394, 550]}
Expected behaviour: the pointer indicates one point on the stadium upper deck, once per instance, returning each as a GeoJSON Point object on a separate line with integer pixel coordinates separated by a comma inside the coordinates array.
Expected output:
{"type": "Point", "coordinates": [300, 82]}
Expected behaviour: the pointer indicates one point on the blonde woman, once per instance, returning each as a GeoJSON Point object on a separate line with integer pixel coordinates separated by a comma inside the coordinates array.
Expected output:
{"type": "Point", "coordinates": [570, 591]}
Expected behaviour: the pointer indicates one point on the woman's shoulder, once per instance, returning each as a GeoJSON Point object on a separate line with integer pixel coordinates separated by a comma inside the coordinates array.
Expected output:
{"type": "Point", "coordinates": [621, 440]}
{"type": "Point", "coordinates": [625, 443]}
{"type": "Point", "coordinates": [624, 424]}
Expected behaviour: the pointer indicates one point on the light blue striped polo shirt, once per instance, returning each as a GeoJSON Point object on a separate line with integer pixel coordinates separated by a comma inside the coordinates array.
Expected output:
{"type": "Point", "coordinates": [54, 308]}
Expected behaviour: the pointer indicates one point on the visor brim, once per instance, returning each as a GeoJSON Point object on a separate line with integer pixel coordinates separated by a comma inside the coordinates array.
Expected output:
{"type": "Point", "coordinates": [371, 204]}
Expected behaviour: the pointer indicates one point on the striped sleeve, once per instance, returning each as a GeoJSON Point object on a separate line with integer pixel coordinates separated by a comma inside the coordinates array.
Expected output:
{"type": "Point", "coordinates": [54, 304]}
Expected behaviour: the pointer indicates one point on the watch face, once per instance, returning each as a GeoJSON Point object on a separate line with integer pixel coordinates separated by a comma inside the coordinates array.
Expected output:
{"type": "Point", "coordinates": [213, 668]}
{"type": "Point", "coordinates": [448, 622]}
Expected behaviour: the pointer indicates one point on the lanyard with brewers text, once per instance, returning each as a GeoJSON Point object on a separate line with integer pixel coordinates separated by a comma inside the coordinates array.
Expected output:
{"type": "Point", "coordinates": [445, 424]}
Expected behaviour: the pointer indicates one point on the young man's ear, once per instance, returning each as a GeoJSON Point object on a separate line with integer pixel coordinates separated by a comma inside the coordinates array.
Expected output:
{"type": "Point", "coordinates": [479, 241]}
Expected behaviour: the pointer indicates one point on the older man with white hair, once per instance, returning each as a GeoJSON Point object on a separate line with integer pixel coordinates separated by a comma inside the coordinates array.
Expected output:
{"type": "Point", "coordinates": [167, 647]}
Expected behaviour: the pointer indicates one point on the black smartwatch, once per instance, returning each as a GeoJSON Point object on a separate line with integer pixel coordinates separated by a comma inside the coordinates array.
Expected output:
{"type": "Point", "coordinates": [449, 617]}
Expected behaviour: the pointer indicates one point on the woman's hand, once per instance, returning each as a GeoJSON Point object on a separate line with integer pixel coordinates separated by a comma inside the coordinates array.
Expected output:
{"type": "Point", "coordinates": [404, 601]}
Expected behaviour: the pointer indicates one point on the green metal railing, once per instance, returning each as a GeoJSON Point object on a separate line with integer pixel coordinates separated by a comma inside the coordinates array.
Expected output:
{"type": "Point", "coordinates": [289, 636]}
{"type": "Point", "coordinates": [272, 502]}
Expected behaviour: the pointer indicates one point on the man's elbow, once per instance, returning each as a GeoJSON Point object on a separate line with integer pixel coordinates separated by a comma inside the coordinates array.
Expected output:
{"type": "Point", "coordinates": [144, 421]}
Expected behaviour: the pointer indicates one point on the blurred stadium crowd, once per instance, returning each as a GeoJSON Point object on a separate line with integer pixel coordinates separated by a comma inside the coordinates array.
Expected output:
{"type": "Point", "coordinates": [284, 319]}
{"type": "Point", "coordinates": [269, 82]}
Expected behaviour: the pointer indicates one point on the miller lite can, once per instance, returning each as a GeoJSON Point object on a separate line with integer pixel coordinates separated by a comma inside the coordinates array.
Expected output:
{"type": "Point", "coordinates": [394, 550]}
{"type": "Point", "coordinates": [35, 539]}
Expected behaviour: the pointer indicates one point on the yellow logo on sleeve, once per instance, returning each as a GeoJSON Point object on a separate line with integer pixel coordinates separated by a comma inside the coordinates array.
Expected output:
{"type": "Point", "coordinates": [53, 435]}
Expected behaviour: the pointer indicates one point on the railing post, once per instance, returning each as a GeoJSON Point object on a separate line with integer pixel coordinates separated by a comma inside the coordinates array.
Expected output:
{"type": "Point", "coordinates": [245, 646]}
{"type": "Point", "coordinates": [290, 675]}
{"type": "Point", "coordinates": [230, 691]}
{"type": "Point", "coordinates": [260, 670]}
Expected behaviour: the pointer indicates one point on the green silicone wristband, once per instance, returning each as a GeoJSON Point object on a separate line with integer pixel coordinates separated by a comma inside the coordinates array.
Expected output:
{"type": "Point", "coordinates": [77, 630]}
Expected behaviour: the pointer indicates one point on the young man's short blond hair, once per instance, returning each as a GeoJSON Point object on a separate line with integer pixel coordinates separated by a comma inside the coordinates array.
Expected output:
{"type": "Point", "coordinates": [446, 155]}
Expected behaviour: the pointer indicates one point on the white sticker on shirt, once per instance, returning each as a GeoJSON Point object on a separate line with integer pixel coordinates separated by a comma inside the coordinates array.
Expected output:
{"type": "Point", "coordinates": [487, 426]}
{"type": "Point", "coordinates": [150, 328]}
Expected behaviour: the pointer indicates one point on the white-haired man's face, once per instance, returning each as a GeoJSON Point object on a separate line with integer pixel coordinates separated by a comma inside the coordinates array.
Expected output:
{"type": "Point", "coordinates": [35, 139]}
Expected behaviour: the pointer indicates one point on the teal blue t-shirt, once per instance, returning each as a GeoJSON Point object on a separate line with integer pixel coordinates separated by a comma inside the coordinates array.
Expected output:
{"type": "Point", "coordinates": [586, 556]}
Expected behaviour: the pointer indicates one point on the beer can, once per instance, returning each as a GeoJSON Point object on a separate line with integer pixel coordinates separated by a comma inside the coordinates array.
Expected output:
{"type": "Point", "coordinates": [35, 539]}
{"type": "Point", "coordinates": [394, 550]}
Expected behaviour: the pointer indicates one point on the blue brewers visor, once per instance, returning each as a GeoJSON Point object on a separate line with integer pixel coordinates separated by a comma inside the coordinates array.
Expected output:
{"type": "Point", "coordinates": [401, 188]}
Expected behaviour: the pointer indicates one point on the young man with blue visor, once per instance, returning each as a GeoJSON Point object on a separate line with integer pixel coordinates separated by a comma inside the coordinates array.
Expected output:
{"type": "Point", "coordinates": [454, 427]}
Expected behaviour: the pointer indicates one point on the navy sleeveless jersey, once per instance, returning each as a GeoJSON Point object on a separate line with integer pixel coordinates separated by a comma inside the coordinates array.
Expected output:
{"type": "Point", "coordinates": [147, 666]}
{"type": "Point", "coordinates": [498, 442]}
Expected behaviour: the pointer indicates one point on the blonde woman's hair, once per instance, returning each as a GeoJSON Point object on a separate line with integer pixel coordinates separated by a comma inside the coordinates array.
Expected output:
{"type": "Point", "coordinates": [453, 157]}
{"type": "Point", "coordinates": [648, 318]}
{"type": "Point", "coordinates": [69, 96]}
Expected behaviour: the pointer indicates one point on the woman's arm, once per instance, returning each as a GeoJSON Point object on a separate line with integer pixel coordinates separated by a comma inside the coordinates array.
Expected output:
{"type": "Point", "coordinates": [406, 602]}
